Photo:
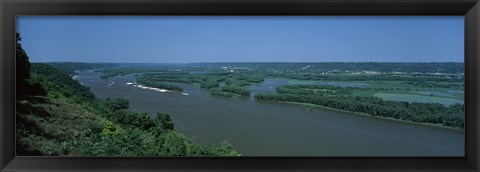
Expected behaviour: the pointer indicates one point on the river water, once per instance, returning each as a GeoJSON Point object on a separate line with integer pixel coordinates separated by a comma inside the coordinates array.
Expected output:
{"type": "Point", "coordinates": [257, 128]}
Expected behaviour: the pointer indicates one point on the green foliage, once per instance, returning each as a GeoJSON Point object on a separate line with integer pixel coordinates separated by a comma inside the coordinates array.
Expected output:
{"type": "Point", "coordinates": [70, 121]}
{"type": "Point", "coordinates": [206, 81]}
{"type": "Point", "coordinates": [116, 104]}
{"type": "Point", "coordinates": [48, 126]}
{"type": "Point", "coordinates": [242, 91]}
{"type": "Point", "coordinates": [452, 116]}
{"type": "Point", "coordinates": [209, 84]}
{"type": "Point", "coordinates": [137, 120]}
{"type": "Point", "coordinates": [124, 143]}
{"type": "Point", "coordinates": [109, 129]}
{"type": "Point", "coordinates": [339, 76]}
{"type": "Point", "coordinates": [111, 72]}
{"type": "Point", "coordinates": [418, 98]}
{"type": "Point", "coordinates": [163, 123]}
{"type": "Point", "coordinates": [219, 92]}
{"type": "Point", "coordinates": [230, 91]}
{"type": "Point", "coordinates": [315, 89]}
{"type": "Point", "coordinates": [224, 149]}
{"type": "Point", "coordinates": [151, 83]}
{"type": "Point", "coordinates": [244, 79]}
{"type": "Point", "coordinates": [58, 83]}
{"type": "Point", "coordinates": [236, 82]}
{"type": "Point", "coordinates": [22, 65]}
{"type": "Point", "coordinates": [175, 144]}
{"type": "Point", "coordinates": [160, 139]}
{"type": "Point", "coordinates": [22, 73]}
{"type": "Point", "coordinates": [172, 77]}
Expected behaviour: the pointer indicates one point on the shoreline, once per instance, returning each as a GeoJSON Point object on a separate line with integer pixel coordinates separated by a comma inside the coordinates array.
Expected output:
{"type": "Point", "coordinates": [371, 116]}
{"type": "Point", "coordinates": [150, 88]}
{"type": "Point", "coordinates": [144, 87]}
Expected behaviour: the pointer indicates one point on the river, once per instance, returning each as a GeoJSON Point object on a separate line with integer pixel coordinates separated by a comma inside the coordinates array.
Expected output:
{"type": "Point", "coordinates": [257, 128]}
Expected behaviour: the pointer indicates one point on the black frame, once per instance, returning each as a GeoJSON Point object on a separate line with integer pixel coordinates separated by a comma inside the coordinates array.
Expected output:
{"type": "Point", "coordinates": [11, 8]}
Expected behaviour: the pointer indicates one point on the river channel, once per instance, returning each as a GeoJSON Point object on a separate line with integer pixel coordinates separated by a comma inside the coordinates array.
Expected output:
{"type": "Point", "coordinates": [257, 128]}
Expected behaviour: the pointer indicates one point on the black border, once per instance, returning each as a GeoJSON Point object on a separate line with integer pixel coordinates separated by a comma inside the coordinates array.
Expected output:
{"type": "Point", "coordinates": [11, 8]}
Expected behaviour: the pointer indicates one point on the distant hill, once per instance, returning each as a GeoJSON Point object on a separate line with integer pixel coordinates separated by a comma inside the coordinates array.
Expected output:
{"type": "Point", "coordinates": [70, 67]}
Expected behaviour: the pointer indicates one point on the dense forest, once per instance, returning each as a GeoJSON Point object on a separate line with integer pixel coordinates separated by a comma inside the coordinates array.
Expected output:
{"type": "Point", "coordinates": [57, 116]}
{"type": "Point", "coordinates": [344, 99]}
{"type": "Point", "coordinates": [230, 91]}
{"type": "Point", "coordinates": [156, 84]}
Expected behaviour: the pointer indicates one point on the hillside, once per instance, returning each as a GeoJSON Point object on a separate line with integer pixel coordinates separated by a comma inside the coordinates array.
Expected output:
{"type": "Point", "coordinates": [57, 116]}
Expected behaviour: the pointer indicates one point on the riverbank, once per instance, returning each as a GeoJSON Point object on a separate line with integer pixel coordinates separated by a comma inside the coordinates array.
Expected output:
{"type": "Point", "coordinates": [155, 89]}
{"type": "Point", "coordinates": [368, 115]}
{"type": "Point", "coordinates": [151, 88]}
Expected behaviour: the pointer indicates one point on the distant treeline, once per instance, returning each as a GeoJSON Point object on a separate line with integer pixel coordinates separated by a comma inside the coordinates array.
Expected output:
{"type": "Point", "coordinates": [111, 72]}
{"type": "Point", "coordinates": [125, 69]}
{"type": "Point", "coordinates": [230, 91]}
{"type": "Point", "coordinates": [156, 84]}
{"type": "Point", "coordinates": [376, 77]}
{"type": "Point", "coordinates": [430, 67]}
{"type": "Point", "coordinates": [71, 67]}
{"type": "Point", "coordinates": [341, 98]}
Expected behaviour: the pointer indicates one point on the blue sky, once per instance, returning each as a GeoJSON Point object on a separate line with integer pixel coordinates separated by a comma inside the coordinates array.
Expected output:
{"type": "Point", "coordinates": [184, 39]}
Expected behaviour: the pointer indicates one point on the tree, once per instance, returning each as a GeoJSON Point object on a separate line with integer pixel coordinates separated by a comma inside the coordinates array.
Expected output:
{"type": "Point", "coordinates": [163, 122]}
{"type": "Point", "coordinates": [175, 144]}
{"type": "Point", "coordinates": [117, 104]}
{"type": "Point", "coordinates": [22, 67]}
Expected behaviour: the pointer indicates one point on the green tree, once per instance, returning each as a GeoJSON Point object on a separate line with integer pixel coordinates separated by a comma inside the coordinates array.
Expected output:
{"type": "Point", "coordinates": [117, 104]}
{"type": "Point", "coordinates": [175, 144]}
{"type": "Point", "coordinates": [22, 67]}
{"type": "Point", "coordinates": [163, 123]}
